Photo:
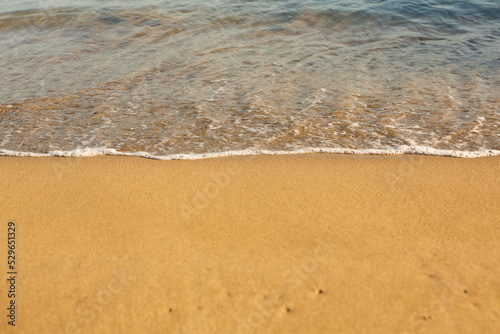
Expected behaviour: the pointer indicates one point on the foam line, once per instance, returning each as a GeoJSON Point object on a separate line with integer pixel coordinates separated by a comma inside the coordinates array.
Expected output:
{"type": "Point", "coordinates": [90, 152]}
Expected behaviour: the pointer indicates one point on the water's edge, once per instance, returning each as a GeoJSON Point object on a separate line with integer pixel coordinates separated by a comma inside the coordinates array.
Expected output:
{"type": "Point", "coordinates": [416, 150]}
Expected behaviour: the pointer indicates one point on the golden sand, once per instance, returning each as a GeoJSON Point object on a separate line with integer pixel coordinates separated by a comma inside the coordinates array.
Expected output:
{"type": "Point", "coordinates": [313, 243]}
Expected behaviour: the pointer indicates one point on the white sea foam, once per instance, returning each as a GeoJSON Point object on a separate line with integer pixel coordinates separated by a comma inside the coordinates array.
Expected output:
{"type": "Point", "coordinates": [421, 150]}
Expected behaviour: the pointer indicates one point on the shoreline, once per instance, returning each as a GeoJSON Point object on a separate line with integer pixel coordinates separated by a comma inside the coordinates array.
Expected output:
{"type": "Point", "coordinates": [256, 244]}
{"type": "Point", "coordinates": [400, 150]}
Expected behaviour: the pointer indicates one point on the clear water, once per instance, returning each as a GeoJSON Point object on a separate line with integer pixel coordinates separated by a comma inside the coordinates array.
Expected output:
{"type": "Point", "coordinates": [211, 76]}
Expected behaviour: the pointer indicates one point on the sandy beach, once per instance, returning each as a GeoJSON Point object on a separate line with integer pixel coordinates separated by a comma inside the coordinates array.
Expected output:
{"type": "Point", "coordinates": [316, 243]}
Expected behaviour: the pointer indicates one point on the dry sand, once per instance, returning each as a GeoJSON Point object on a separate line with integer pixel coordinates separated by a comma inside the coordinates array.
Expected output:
{"type": "Point", "coordinates": [269, 244]}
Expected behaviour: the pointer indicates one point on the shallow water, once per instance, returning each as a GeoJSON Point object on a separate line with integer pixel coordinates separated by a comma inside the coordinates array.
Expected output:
{"type": "Point", "coordinates": [180, 77]}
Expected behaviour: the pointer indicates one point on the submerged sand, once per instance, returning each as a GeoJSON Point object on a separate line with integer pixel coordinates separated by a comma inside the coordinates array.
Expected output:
{"type": "Point", "coordinates": [313, 243]}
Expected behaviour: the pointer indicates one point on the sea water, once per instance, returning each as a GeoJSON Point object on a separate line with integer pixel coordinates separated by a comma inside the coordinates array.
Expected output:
{"type": "Point", "coordinates": [201, 78]}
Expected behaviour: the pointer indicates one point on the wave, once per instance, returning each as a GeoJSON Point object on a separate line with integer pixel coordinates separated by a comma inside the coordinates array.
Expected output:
{"type": "Point", "coordinates": [414, 150]}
